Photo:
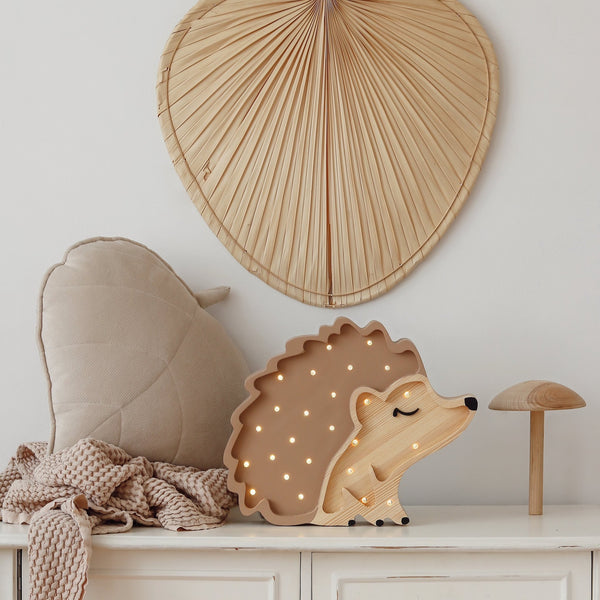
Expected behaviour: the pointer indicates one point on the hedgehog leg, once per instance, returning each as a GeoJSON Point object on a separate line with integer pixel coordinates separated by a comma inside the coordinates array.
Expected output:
{"type": "Point", "coordinates": [379, 512]}
{"type": "Point", "coordinates": [399, 516]}
{"type": "Point", "coordinates": [351, 507]}
{"type": "Point", "coordinates": [384, 503]}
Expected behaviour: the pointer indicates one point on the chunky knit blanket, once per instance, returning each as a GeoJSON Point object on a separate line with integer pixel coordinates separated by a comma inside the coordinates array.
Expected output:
{"type": "Point", "coordinates": [94, 487]}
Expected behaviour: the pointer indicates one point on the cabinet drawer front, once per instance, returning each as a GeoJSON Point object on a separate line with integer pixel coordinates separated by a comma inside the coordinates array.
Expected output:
{"type": "Point", "coordinates": [452, 576]}
{"type": "Point", "coordinates": [193, 574]}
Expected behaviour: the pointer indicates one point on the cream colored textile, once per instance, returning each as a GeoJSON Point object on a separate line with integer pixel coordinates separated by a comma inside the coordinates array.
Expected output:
{"type": "Point", "coordinates": [133, 359]}
{"type": "Point", "coordinates": [95, 487]}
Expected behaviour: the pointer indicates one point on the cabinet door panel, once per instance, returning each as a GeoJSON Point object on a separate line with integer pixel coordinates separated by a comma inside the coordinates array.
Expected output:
{"type": "Point", "coordinates": [452, 576]}
{"type": "Point", "coordinates": [192, 574]}
{"type": "Point", "coordinates": [8, 574]}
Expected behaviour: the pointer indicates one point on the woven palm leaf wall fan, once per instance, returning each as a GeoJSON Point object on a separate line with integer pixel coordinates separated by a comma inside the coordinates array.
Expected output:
{"type": "Point", "coordinates": [328, 143]}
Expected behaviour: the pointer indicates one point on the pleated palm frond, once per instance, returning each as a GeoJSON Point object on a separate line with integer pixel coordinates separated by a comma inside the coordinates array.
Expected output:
{"type": "Point", "coordinates": [328, 143]}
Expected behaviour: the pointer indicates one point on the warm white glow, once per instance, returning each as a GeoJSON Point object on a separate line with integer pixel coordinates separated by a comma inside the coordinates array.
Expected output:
{"type": "Point", "coordinates": [276, 409]}
{"type": "Point", "coordinates": [286, 476]}
{"type": "Point", "coordinates": [364, 499]}
{"type": "Point", "coordinates": [280, 377]}
{"type": "Point", "coordinates": [313, 372]}
{"type": "Point", "coordinates": [252, 492]}
{"type": "Point", "coordinates": [309, 461]}
{"type": "Point", "coordinates": [367, 401]}
{"type": "Point", "coordinates": [333, 394]}
{"type": "Point", "coordinates": [369, 342]}
{"type": "Point", "coordinates": [407, 394]}
{"type": "Point", "coordinates": [387, 367]}
{"type": "Point", "coordinates": [272, 457]}
{"type": "Point", "coordinates": [258, 428]}
{"type": "Point", "coordinates": [355, 442]}
{"type": "Point", "coordinates": [246, 464]}
{"type": "Point", "coordinates": [332, 428]}
{"type": "Point", "coordinates": [329, 346]}
{"type": "Point", "coordinates": [350, 471]}
{"type": "Point", "coordinates": [389, 502]}
{"type": "Point", "coordinates": [415, 446]}
{"type": "Point", "coordinates": [292, 440]}
{"type": "Point", "coordinates": [349, 367]}
{"type": "Point", "coordinates": [300, 496]}
{"type": "Point", "coordinates": [306, 413]}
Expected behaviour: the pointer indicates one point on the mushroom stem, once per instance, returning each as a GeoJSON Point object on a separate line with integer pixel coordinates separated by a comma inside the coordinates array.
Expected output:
{"type": "Point", "coordinates": [536, 463]}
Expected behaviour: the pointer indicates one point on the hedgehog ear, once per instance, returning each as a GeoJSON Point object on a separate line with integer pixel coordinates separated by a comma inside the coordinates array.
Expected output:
{"type": "Point", "coordinates": [413, 378]}
{"type": "Point", "coordinates": [368, 396]}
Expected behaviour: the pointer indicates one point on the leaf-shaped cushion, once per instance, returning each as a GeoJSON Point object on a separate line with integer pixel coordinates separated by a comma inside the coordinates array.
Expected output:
{"type": "Point", "coordinates": [133, 359]}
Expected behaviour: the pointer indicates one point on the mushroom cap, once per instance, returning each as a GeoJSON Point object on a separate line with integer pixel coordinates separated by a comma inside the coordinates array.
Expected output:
{"type": "Point", "coordinates": [537, 395]}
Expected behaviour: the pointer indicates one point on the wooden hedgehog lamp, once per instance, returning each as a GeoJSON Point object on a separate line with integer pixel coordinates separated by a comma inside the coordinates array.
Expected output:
{"type": "Point", "coordinates": [332, 424]}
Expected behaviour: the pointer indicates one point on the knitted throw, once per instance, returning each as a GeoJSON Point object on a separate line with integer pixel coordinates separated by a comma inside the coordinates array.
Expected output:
{"type": "Point", "coordinates": [95, 487]}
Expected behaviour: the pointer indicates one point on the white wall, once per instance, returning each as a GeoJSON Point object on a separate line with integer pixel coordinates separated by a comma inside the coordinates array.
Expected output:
{"type": "Point", "coordinates": [511, 293]}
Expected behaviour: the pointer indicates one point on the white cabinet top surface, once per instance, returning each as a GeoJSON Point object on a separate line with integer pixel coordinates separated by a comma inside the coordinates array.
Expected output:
{"type": "Point", "coordinates": [460, 528]}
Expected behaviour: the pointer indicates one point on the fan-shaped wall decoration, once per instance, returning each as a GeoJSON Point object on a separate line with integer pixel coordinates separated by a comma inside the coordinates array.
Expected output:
{"type": "Point", "coordinates": [328, 143]}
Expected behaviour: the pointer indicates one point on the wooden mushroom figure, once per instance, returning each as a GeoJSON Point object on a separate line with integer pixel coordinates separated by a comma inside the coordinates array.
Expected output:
{"type": "Point", "coordinates": [536, 397]}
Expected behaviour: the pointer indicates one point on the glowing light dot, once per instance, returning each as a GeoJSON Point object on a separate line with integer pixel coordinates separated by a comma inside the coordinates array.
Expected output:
{"type": "Point", "coordinates": [292, 440]}
{"type": "Point", "coordinates": [300, 496]}
{"type": "Point", "coordinates": [332, 428]}
{"type": "Point", "coordinates": [389, 502]}
{"type": "Point", "coordinates": [387, 367]}
{"type": "Point", "coordinates": [252, 492]}
{"type": "Point", "coordinates": [350, 471]}
{"type": "Point", "coordinates": [349, 367]}
{"type": "Point", "coordinates": [329, 346]}
{"type": "Point", "coordinates": [355, 442]}
{"type": "Point", "coordinates": [313, 372]}
{"type": "Point", "coordinates": [246, 464]}
{"type": "Point", "coordinates": [306, 413]}
{"type": "Point", "coordinates": [280, 377]}
{"type": "Point", "coordinates": [272, 457]}
{"type": "Point", "coordinates": [258, 428]}
{"type": "Point", "coordinates": [367, 401]}
{"type": "Point", "coordinates": [276, 409]}
{"type": "Point", "coordinates": [286, 476]}
{"type": "Point", "coordinates": [369, 342]}
{"type": "Point", "coordinates": [407, 394]}
{"type": "Point", "coordinates": [415, 446]}
{"type": "Point", "coordinates": [364, 499]}
{"type": "Point", "coordinates": [309, 461]}
{"type": "Point", "coordinates": [333, 394]}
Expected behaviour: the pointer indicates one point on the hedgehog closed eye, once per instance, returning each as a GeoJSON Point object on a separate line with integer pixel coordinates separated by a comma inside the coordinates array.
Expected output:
{"type": "Point", "coordinates": [397, 412]}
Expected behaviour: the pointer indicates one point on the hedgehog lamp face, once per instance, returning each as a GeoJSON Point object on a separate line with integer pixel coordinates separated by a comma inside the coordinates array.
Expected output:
{"type": "Point", "coordinates": [394, 429]}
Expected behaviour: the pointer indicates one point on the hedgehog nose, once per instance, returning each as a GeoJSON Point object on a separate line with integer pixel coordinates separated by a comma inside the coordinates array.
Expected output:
{"type": "Point", "coordinates": [471, 403]}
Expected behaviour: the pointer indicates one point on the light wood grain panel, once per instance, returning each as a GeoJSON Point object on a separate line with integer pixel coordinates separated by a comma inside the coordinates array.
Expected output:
{"type": "Point", "coordinates": [536, 463]}
{"type": "Point", "coordinates": [537, 395]}
{"type": "Point", "coordinates": [328, 145]}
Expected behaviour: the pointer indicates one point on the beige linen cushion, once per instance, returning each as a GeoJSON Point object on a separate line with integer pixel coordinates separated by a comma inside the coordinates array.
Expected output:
{"type": "Point", "coordinates": [133, 359]}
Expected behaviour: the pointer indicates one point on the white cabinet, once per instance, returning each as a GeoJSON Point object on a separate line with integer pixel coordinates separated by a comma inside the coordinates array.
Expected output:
{"type": "Point", "coordinates": [444, 576]}
{"type": "Point", "coordinates": [446, 553]}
